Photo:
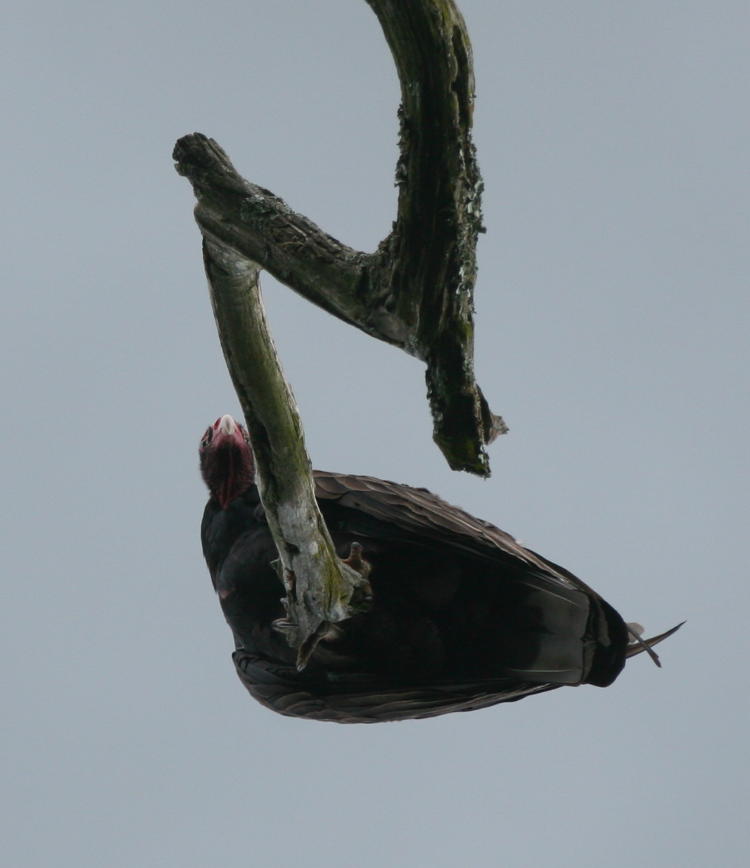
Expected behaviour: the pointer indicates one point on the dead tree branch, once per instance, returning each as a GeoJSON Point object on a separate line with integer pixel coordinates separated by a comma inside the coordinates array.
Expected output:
{"type": "Point", "coordinates": [416, 290]}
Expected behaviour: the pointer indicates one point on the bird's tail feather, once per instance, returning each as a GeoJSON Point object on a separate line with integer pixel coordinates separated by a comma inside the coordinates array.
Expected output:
{"type": "Point", "coordinates": [638, 645]}
{"type": "Point", "coordinates": [563, 635]}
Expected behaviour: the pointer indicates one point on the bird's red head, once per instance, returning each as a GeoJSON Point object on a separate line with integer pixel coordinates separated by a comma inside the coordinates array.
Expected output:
{"type": "Point", "coordinates": [226, 460]}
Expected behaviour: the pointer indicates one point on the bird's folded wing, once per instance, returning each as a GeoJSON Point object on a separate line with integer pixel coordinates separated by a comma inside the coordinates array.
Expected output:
{"type": "Point", "coordinates": [425, 516]}
{"type": "Point", "coordinates": [353, 698]}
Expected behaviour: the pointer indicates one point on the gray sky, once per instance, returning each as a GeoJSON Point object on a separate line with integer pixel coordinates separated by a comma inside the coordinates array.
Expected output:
{"type": "Point", "coordinates": [612, 334]}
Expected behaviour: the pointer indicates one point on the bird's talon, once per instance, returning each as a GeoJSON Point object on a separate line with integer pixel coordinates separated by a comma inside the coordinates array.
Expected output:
{"type": "Point", "coordinates": [356, 561]}
{"type": "Point", "coordinates": [284, 625]}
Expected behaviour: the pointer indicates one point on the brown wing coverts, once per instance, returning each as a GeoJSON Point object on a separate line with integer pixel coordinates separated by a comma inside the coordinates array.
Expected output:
{"type": "Point", "coordinates": [428, 516]}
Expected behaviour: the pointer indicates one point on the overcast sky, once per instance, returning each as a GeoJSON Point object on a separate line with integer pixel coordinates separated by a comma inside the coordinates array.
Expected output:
{"type": "Point", "coordinates": [612, 305]}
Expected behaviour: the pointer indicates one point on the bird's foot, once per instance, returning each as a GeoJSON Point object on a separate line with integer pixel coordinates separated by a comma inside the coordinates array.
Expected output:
{"type": "Point", "coordinates": [361, 599]}
{"type": "Point", "coordinates": [286, 627]}
{"type": "Point", "coordinates": [356, 561]}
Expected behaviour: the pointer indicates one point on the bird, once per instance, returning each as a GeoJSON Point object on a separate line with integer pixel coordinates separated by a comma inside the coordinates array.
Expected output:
{"type": "Point", "coordinates": [462, 616]}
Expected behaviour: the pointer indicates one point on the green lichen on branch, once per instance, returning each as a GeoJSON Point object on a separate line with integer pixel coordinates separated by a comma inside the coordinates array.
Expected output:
{"type": "Point", "coordinates": [416, 290]}
{"type": "Point", "coordinates": [320, 589]}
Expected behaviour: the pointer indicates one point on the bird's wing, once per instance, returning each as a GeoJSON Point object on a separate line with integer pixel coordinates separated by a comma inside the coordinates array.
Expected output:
{"type": "Point", "coordinates": [364, 699]}
{"type": "Point", "coordinates": [420, 514]}
{"type": "Point", "coordinates": [425, 516]}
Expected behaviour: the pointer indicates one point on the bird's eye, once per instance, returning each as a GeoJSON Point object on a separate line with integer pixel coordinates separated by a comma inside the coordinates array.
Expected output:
{"type": "Point", "coordinates": [206, 439]}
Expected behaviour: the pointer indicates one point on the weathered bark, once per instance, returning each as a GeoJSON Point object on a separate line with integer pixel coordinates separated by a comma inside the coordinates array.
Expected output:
{"type": "Point", "coordinates": [320, 589]}
{"type": "Point", "coordinates": [429, 260]}
{"type": "Point", "coordinates": [415, 291]}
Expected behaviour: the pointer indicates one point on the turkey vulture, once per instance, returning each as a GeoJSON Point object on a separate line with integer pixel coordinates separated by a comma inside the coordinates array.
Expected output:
{"type": "Point", "coordinates": [462, 615]}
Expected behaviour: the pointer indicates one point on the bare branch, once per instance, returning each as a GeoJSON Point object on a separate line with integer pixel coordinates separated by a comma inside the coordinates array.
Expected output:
{"type": "Point", "coordinates": [432, 249]}
{"type": "Point", "coordinates": [320, 588]}
{"type": "Point", "coordinates": [261, 227]}
{"type": "Point", "coordinates": [416, 290]}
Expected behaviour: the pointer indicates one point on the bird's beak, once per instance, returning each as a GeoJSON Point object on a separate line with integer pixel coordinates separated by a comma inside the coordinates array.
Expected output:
{"type": "Point", "coordinates": [227, 433]}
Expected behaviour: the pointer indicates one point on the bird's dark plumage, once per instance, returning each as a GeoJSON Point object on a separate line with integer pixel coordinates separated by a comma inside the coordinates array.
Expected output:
{"type": "Point", "coordinates": [463, 616]}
